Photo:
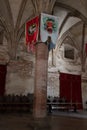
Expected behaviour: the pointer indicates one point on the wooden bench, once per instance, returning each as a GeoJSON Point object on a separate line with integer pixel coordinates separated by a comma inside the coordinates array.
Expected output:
{"type": "Point", "coordinates": [62, 106]}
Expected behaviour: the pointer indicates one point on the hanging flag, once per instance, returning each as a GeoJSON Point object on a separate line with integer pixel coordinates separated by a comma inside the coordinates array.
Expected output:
{"type": "Point", "coordinates": [49, 30]}
{"type": "Point", "coordinates": [31, 33]}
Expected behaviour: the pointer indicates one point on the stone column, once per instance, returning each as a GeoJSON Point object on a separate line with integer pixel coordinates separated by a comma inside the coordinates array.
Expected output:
{"type": "Point", "coordinates": [40, 93]}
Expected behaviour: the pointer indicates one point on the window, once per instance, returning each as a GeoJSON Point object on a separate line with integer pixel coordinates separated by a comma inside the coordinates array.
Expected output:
{"type": "Point", "coordinates": [69, 53]}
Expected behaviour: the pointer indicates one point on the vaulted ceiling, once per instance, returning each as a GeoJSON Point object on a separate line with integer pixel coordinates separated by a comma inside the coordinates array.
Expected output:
{"type": "Point", "coordinates": [14, 14]}
{"type": "Point", "coordinates": [13, 11]}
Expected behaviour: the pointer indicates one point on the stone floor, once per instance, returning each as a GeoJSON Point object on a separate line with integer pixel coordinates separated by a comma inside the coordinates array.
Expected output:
{"type": "Point", "coordinates": [54, 121]}
{"type": "Point", "coordinates": [78, 114]}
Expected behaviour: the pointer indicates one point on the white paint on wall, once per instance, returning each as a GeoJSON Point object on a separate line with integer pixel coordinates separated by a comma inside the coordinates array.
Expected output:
{"type": "Point", "coordinates": [18, 85]}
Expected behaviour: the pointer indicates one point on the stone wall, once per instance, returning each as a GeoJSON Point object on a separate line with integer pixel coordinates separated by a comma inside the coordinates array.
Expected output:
{"type": "Point", "coordinates": [53, 84]}
{"type": "Point", "coordinates": [20, 77]}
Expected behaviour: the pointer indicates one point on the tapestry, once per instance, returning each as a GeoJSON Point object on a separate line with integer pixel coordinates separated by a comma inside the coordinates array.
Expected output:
{"type": "Point", "coordinates": [31, 33]}
{"type": "Point", "coordinates": [49, 30]}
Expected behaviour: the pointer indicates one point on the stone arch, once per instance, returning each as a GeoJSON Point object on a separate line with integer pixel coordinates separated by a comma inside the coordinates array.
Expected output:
{"type": "Point", "coordinates": [68, 40]}
{"type": "Point", "coordinates": [66, 35]}
{"type": "Point", "coordinates": [4, 50]}
{"type": "Point", "coordinates": [3, 24]}
{"type": "Point", "coordinates": [74, 12]}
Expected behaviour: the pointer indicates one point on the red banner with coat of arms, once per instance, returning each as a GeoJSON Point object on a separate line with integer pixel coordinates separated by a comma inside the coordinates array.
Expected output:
{"type": "Point", "coordinates": [31, 32]}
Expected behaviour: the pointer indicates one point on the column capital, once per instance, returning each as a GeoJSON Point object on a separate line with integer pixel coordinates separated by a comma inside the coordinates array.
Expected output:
{"type": "Point", "coordinates": [45, 6]}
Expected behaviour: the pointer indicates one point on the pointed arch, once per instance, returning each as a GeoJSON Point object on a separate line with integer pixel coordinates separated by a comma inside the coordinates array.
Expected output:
{"type": "Point", "coordinates": [67, 36]}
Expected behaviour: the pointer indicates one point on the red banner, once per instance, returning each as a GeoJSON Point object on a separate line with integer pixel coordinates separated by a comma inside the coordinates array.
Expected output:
{"type": "Point", "coordinates": [31, 32]}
